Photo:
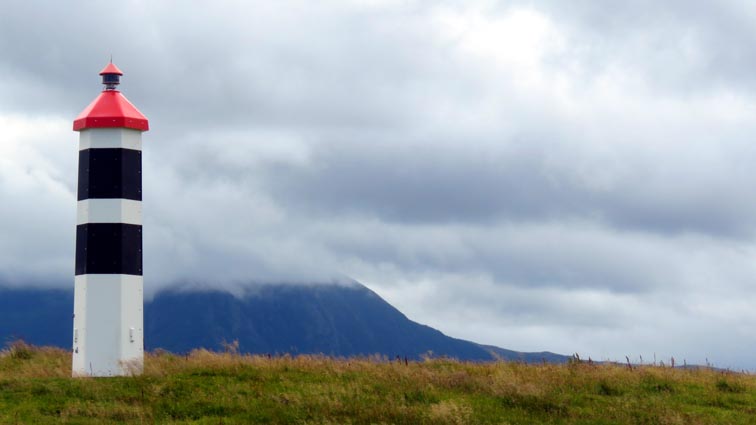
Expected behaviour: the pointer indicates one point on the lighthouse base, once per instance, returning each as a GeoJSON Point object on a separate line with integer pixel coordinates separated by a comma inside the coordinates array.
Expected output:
{"type": "Point", "coordinates": [108, 325]}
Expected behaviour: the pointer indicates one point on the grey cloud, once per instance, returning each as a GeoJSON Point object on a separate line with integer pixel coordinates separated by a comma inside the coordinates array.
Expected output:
{"type": "Point", "coordinates": [310, 66]}
{"type": "Point", "coordinates": [686, 48]}
{"type": "Point", "coordinates": [598, 197]}
{"type": "Point", "coordinates": [520, 182]}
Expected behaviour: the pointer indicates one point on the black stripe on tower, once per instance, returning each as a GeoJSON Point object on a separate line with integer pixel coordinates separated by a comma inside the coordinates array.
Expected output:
{"type": "Point", "coordinates": [109, 248]}
{"type": "Point", "coordinates": [110, 173]}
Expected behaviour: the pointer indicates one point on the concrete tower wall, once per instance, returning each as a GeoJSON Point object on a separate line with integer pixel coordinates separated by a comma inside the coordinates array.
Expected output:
{"type": "Point", "coordinates": [108, 317]}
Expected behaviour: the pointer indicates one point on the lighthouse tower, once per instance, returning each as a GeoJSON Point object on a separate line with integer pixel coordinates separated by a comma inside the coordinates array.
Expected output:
{"type": "Point", "coordinates": [108, 318]}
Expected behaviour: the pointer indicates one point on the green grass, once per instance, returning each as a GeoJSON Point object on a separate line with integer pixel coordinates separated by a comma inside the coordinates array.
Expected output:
{"type": "Point", "coordinates": [214, 388]}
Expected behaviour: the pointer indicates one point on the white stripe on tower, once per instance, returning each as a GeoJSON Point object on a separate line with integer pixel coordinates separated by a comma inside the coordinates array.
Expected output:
{"type": "Point", "coordinates": [108, 301]}
{"type": "Point", "coordinates": [109, 211]}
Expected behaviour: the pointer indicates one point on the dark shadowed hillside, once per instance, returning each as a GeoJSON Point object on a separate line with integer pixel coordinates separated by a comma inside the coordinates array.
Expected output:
{"type": "Point", "coordinates": [329, 319]}
{"type": "Point", "coordinates": [39, 316]}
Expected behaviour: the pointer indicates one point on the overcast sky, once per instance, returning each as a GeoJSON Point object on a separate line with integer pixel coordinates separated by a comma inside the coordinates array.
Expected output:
{"type": "Point", "coordinates": [534, 175]}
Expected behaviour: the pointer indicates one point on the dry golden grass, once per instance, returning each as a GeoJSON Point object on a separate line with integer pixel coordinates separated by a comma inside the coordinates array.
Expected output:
{"type": "Point", "coordinates": [208, 387]}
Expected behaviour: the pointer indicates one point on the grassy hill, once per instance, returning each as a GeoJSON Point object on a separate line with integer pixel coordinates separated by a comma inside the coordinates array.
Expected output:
{"type": "Point", "coordinates": [226, 388]}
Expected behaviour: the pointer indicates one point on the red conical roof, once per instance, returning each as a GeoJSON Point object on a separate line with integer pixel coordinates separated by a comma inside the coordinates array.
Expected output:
{"type": "Point", "coordinates": [111, 69]}
{"type": "Point", "coordinates": [111, 109]}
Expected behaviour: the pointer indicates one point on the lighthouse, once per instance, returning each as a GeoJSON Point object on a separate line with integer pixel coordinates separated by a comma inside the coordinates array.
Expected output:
{"type": "Point", "coordinates": [108, 302]}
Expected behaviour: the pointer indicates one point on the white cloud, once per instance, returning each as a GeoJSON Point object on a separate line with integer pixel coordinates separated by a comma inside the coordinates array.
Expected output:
{"type": "Point", "coordinates": [36, 186]}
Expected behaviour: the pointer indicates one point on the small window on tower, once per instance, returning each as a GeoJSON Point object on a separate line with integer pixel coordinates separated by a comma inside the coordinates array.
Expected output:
{"type": "Point", "coordinates": [111, 79]}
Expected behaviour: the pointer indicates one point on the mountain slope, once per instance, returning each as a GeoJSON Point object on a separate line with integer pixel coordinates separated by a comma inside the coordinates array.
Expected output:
{"type": "Point", "coordinates": [539, 357]}
{"type": "Point", "coordinates": [329, 319]}
{"type": "Point", "coordinates": [39, 316]}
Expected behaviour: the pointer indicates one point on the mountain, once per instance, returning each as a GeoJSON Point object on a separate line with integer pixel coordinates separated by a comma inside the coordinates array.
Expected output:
{"type": "Point", "coordinates": [336, 320]}
{"type": "Point", "coordinates": [539, 357]}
